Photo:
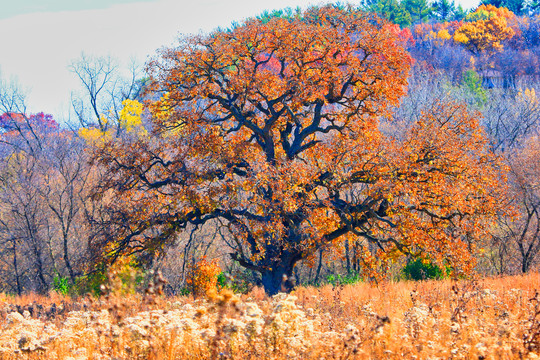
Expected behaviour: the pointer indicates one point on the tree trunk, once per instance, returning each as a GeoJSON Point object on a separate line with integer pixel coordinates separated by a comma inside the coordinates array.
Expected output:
{"type": "Point", "coordinates": [525, 264]}
{"type": "Point", "coordinates": [44, 287]}
{"type": "Point", "coordinates": [348, 256]}
{"type": "Point", "coordinates": [279, 279]}
{"type": "Point", "coordinates": [66, 259]}
{"type": "Point", "coordinates": [318, 273]}
{"type": "Point", "coordinates": [277, 267]}
{"type": "Point", "coordinates": [16, 268]}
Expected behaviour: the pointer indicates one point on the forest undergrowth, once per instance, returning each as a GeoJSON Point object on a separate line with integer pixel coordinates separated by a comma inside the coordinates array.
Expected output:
{"type": "Point", "coordinates": [493, 318]}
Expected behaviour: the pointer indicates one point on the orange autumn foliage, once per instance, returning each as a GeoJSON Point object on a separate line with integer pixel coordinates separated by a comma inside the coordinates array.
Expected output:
{"type": "Point", "coordinates": [272, 130]}
{"type": "Point", "coordinates": [202, 276]}
{"type": "Point", "coordinates": [487, 27]}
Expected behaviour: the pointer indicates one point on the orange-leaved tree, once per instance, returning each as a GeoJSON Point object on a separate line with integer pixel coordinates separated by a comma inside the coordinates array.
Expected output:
{"type": "Point", "coordinates": [485, 29]}
{"type": "Point", "coordinates": [271, 130]}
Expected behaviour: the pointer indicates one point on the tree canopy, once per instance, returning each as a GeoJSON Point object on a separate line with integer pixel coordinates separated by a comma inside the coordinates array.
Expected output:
{"type": "Point", "coordinates": [485, 29]}
{"type": "Point", "coordinates": [271, 133]}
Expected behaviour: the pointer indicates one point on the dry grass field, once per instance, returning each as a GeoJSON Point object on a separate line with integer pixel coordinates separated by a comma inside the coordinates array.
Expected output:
{"type": "Point", "coordinates": [496, 318]}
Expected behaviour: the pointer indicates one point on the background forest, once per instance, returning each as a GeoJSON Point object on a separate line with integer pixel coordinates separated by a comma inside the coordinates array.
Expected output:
{"type": "Point", "coordinates": [53, 204]}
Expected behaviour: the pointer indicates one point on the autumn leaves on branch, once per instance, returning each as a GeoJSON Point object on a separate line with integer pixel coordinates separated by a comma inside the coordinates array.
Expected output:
{"type": "Point", "coordinates": [271, 132]}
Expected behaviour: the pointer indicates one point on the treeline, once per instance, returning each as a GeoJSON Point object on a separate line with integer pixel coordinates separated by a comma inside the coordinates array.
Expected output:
{"type": "Point", "coordinates": [53, 202]}
{"type": "Point", "coordinates": [406, 13]}
{"type": "Point", "coordinates": [412, 12]}
{"type": "Point", "coordinates": [50, 210]}
{"type": "Point", "coordinates": [499, 40]}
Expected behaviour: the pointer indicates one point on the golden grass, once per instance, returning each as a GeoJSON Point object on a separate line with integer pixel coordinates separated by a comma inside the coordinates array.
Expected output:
{"type": "Point", "coordinates": [495, 318]}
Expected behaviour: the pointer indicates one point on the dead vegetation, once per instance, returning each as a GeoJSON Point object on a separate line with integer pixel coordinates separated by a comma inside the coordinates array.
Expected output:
{"type": "Point", "coordinates": [496, 318]}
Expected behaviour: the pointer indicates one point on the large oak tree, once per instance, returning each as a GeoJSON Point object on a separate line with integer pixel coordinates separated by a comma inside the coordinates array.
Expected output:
{"type": "Point", "coordinates": [272, 130]}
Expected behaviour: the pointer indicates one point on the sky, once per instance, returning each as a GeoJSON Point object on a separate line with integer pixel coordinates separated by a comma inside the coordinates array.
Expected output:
{"type": "Point", "coordinates": [40, 38]}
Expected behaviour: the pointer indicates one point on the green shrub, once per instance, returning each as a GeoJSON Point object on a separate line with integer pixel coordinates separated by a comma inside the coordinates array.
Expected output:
{"type": "Point", "coordinates": [423, 269]}
{"type": "Point", "coordinates": [346, 279]}
{"type": "Point", "coordinates": [238, 282]}
{"type": "Point", "coordinates": [473, 82]}
{"type": "Point", "coordinates": [61, 284]}
{"type": "Point", "coordinates": [92, 283]}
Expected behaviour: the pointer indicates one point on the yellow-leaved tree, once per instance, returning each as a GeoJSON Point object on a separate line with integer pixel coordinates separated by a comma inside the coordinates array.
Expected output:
{"type": "Point", "coordinates": [130, 121]}
{"type": "Point", "coordinates": [485, 29]}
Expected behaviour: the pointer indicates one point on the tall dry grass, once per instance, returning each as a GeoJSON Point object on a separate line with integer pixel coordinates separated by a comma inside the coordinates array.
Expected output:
{"type": "Point", "coordinates": [497, 318]}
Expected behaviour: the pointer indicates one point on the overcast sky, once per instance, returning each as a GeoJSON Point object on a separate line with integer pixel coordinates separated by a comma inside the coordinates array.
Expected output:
{"type": "Point", "coordinates": [39, 38]}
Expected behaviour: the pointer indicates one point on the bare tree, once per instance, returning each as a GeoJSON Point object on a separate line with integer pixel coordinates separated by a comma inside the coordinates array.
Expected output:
{"type": "Point", "coordinates": [510, 117]}
{"type": "Point", "coordinates": [105, 86]}
{"type": "Point", "coordinates": [65, 193]}
{"type": "Point", "coordinates": [524, 231]}
{"type": "Point", "coordinates": [43, 183]}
